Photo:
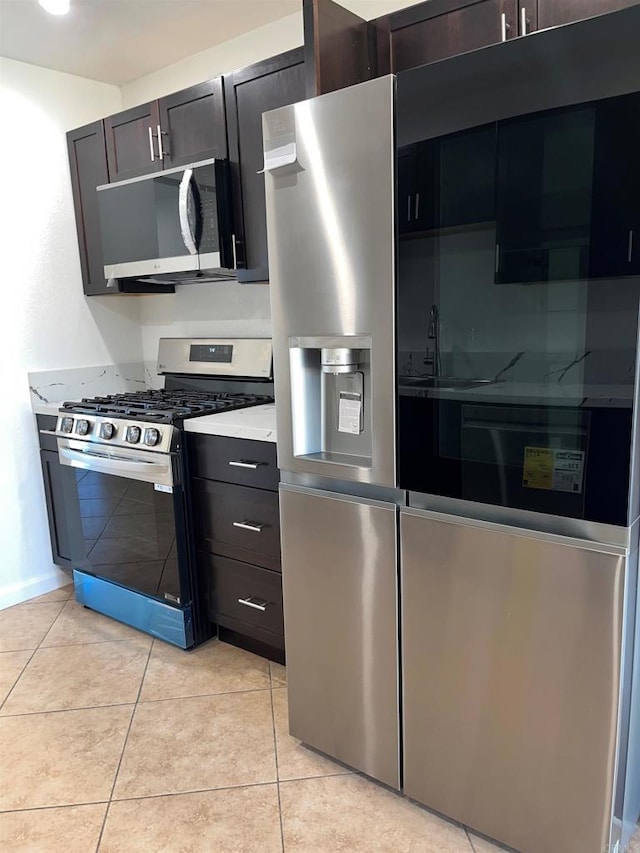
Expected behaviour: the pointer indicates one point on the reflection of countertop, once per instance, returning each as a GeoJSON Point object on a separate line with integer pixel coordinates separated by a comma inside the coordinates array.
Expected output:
{"type": "Point", "coordinates": [257, 423]}
{"type": "Point", "coordinates": [532, 393]}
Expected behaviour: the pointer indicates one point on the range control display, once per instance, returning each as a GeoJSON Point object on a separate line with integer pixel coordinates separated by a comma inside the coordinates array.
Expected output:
{"type": "Point", "coordinates": [216, 353]}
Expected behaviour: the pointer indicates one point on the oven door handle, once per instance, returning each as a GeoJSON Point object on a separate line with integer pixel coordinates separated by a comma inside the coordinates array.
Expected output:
{"type": "Point", "coordinates": [157, 470]}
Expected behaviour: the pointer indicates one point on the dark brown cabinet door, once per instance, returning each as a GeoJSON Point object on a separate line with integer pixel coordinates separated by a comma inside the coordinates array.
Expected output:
{"type": "Point", "coordinates": [552, 13]}
{"type": "Point", "coordinates": [132, 142]}
{"type": "Point", "coordinates": [192, 124]}
{"type": "Point", "coordinates": [442, 28]}
{"type": "Point", "coordinates": [61, 496]}
{"type": "Point", "coordinates": [274, 83]}
{"type": "Point", "coordinates": [88, 166]}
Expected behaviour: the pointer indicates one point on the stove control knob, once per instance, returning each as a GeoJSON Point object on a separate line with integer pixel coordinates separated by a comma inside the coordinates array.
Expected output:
{"type": "Point", "coordinates": [67, 425]}
{"type": "Point", "coordinates": [133, 434]}
{"type": "Point", "coordinates": [152, 437]}
{"type": "Point", "coordinates": [83, 427]}
{"type": "Point", "coordinates": [107, 430]}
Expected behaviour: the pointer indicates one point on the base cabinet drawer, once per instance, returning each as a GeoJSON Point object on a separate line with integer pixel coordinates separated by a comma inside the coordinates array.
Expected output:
{"type": "Point", "coordinates": [237, 522]}
{"type": "Point", "coordinates": [234, 460]}
{"type": "Point", "coordinates": [244, 593]}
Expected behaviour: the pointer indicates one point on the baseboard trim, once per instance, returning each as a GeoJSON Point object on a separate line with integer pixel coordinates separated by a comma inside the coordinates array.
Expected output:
{"type": "Point", "coordinates": [16, 593]}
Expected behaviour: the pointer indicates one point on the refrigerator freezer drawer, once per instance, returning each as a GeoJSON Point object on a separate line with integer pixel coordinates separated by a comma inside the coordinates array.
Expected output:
{"type": "Point", "coordinates": [511, 667]}
{"type": "Point", "coordinates": [341, 632]}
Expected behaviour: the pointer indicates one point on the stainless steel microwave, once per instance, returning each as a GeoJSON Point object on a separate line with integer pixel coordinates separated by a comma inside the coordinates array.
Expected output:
{"type": "Point", "coordinates": [169, 227]}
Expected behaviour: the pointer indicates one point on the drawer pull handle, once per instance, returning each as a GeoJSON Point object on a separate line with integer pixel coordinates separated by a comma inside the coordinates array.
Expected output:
{"type": "Point", "coordinates": [246, 525]}
{"type": "Point", "coordinates": [256, 603]}
{"type": "Point", "coordinates": [242, 464]}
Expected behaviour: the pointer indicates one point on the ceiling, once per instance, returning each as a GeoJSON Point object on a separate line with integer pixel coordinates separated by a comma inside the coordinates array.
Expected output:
{"type": "Point", "coordinates": [117, 41]}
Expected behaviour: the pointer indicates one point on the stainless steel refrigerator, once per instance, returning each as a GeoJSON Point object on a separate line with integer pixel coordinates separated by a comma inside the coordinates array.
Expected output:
{"type": "Point", "coordinates": [460, 508]}
{"type": "Point", "coordinates": [329, 165]}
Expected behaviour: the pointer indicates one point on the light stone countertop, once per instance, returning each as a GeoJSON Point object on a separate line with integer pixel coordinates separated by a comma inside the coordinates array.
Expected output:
{"type": "Point", "coordinates": [257, 423]}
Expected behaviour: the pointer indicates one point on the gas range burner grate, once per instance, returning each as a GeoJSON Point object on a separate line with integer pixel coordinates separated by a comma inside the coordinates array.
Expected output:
{"type": "Point", "coordinates": [163, 406]}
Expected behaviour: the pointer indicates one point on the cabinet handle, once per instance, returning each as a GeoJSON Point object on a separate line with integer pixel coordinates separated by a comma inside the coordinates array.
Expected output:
{"type": "Point", "coordinates": [257, 604]}
{"type": "Point", "coordinates": [630, 247]}
{"type": "Point", "coordinates": [151, 151]}
{"type": "Point", "coordinates": [497, 257]}
{"type": "Point", "coordinates": [504, 26]}
{"type": "Point", "coordinates": [160, 151]}
{"type": "Point", "coordinates": [235, 255]}
{"type": "Point", "coordinates": [240, 463]}
{"type": "Point", "coordinates": [523, 21]}
{"type": "Point", "coordinates": [408, 208]}
{"type": "Point", "coordinates": [417, 204]}
{"type": "Point", "coordinates": [246, 525]}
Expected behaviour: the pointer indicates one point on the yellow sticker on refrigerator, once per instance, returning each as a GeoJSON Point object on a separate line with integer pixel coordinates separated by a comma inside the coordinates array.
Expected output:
{"type": "Point", "coordinates": [553, 469]}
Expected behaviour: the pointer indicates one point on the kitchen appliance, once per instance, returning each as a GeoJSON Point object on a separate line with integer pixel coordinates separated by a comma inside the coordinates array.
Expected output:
{"type": "Point", "coordinates": [518, 290]}
{"type": "Point", "coordinates": [170, 227]}
{"type": "Point", "coordinates": [331, 250]}
{"type": "Point", "coordinates": [132, 484]}
{"type": "Point", "coordinates": [512, 206]}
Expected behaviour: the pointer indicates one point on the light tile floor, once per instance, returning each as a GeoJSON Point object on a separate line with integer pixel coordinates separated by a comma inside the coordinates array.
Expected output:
{"type": "Point", "coordinates": [114, 742]}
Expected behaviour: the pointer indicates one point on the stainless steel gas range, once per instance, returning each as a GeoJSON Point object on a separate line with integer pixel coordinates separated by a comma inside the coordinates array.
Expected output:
{"type": "Point", "coordinates": [132, 483]}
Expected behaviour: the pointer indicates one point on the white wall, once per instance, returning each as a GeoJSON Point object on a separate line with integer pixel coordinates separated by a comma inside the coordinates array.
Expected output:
{"type": "Point", "coordinates": [47, 321]}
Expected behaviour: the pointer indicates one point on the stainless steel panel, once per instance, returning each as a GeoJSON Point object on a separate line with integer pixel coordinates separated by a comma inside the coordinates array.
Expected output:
{"type": "Point", "coordinates": [155, 175]}
{"type": "Point", "coordinates": [628, 805]}
{"type": "Point", "coordinates": [340, 609]}
{"type": "Point", "coordinates": [252, 357]}
{"type": "Point", "coordinates": [634, 482]}
{"type": "Point", "coordinates": [511, 668]}
{"type": "Point", "coordinates": [576, 528]}
{"type": "Point", "coordinates": [330, 224]}
{"type": "Point", "coordinates": [153, 266]}
{"type": "Point", "coordinates": [147, 467]}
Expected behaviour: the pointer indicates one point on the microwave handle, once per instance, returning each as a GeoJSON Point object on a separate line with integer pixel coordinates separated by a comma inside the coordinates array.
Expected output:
{"type": "Point", "coordinates": [185, 196]}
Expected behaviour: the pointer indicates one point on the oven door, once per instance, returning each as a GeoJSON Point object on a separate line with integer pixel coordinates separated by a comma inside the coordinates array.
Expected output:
{"type": "Point", "coordinates": [131, 507]}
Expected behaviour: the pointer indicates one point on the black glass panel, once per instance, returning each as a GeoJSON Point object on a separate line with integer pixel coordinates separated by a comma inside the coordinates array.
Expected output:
{"type": "Point", "coordinates": [130, 534]}
{"type": "Point", "coordinates": [518, 293]}
{"type": "Point", "coordinates": [141, 221]}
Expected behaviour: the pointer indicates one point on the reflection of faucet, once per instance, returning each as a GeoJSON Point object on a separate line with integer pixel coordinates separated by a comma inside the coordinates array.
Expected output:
{"type": "Point", "coordinates": [432, 356]}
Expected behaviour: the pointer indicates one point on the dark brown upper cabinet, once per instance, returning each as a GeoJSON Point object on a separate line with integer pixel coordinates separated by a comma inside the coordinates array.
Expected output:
{"type": "Point", "coordinates": [249, 92]}
{"type": "Point", "coordinates": [192, 124]}
{"type": "Point", "coordinates": [132, 147]}
{"type": "Point", "coordinates": [339, 47]}
{"type": "Point", "coordinates": [553, 13]}
{"type": "Point", "coordinates": [438, 29]}
{"type": "Point", "coordinates": [185, 127]}
{"type": "Point", "coordinates": [88, 165]}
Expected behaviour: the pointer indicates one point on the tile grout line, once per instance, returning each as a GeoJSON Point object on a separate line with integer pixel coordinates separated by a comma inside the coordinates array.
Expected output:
{"type": "Point", "coordinates": [466, 832]}
{"type": "Point", "coordinates": [33, 651]}
{"type": "Point", "coordinates": [124, 746]}
{"type": "Point", "coordinates": [54, 806]}
{"type": "Point", "coordinates": [275, 752]}
{"type": "Point", "coordinates": [68, 710]}
{"type": "Point", "coordinates": [189, 792]}
{"type": "Point", "coordinates": [26, 664]}
{"type": "Point", "coordinates": [202, 695]}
